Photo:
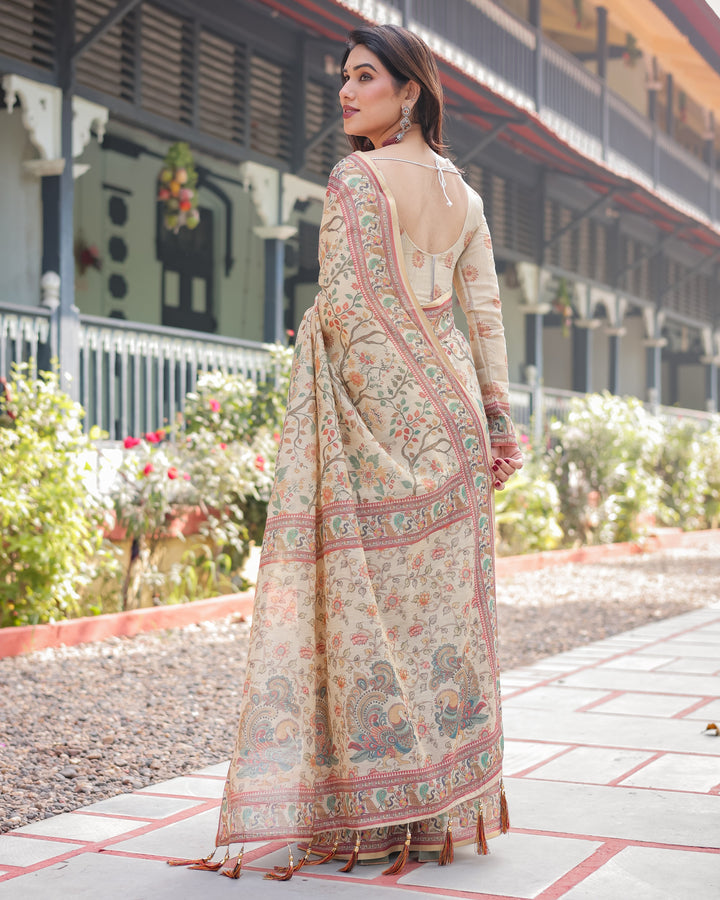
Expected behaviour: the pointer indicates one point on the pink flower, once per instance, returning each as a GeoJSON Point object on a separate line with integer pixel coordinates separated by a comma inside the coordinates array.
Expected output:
{"type": "Point", "coordinates": [152, 437]}
{"type": "Point", "coordinates": [290, 333]}
{"type": "Point", "coordinates": [172, 473]}
{"type": "Point", "coordinates": [148, 469]}
{"type": "Point", "coordinates": [524, 439]}
{"type": "Point", "coordinates": [260, 463]}
{"type": "Point", "coordinates": [223, 446]}
{"type": "Point", "coordinates": [186, 476]}
{"type": "Point", "coordinates": [214, 405]}
{"type": "Point", "coordinates": [130, 442]}
{"type": "Point", "coordinates": [276, 437]}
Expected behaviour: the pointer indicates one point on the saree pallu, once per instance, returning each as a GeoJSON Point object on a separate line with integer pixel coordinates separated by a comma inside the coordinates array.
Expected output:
{"type": "Point", "coordinates": [372, 696]}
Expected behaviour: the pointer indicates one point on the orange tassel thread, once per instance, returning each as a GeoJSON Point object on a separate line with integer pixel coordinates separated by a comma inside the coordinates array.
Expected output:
{"type": "Point", "coordinates": [480, 839]}
{"type": "Point", "coordinates": [399, 863]}
{"type": "Point", "coordinates": [203, 863]}
{"type": "Point", "coordinates": [447, 854]}
{"type": "Point", "coordinates": [350, 864]}
{"type": "Point", "coordinates": [237, 868]}
{"type": "Point", "coordinates": [504, 815]}
{"type": "Point", "coordinates": [323, 859]}
{"type": "Point", "coordinates": [205, 866]}
{"type": "Point", "coordinates": [303, 861]}
{"type": "Point", "coordinates": [282, 874]}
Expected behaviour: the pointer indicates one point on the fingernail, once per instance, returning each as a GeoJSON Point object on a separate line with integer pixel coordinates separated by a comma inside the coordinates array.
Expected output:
{"type": "Point", "coordinates": [494, 467]}
{"type": "Point", "coordinates": [498, 484]}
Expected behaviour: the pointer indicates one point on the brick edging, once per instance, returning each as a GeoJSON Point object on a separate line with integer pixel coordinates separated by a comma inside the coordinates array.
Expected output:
{"type": "Point", "coordinates": [27, 638]}
{"type": "Point", "coordinates": [663, 539]}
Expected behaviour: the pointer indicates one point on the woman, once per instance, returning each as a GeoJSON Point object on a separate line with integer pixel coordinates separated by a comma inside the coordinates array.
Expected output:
{"type": "Point", "coordinates": [370, 722]}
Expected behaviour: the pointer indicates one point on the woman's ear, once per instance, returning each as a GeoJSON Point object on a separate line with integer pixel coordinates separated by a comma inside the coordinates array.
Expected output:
{"type": "Point", "coordinates": [411, 92]}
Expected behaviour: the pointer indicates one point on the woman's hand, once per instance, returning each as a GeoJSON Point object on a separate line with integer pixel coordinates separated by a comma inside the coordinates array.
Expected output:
{"type": "Point", "coordinates": [507, 460]}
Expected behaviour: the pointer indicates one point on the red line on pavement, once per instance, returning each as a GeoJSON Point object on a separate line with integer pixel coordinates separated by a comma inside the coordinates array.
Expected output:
{"type": "Point", "coordinates": [537, 765]}
{"type": "Point", "coordinates": [695, 706]}
{"type": "Point", "coordinates": [616, 781]}
{"type": "Point", "coordinates": [98, 846]}
{"type": "Point", "coordinates": [612, 695]}
{"type": "Point", "coordinates": [583, 870]}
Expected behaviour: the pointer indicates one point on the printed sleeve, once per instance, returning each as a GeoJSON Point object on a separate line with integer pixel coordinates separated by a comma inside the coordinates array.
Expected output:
{"type": "Point", "coordinates": [477, 289]}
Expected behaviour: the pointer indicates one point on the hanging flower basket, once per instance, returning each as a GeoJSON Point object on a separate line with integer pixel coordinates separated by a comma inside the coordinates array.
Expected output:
{"type": "Point", "coordinates": [177, 189]}
{"type": "Point", "coordinates": [631, 51]}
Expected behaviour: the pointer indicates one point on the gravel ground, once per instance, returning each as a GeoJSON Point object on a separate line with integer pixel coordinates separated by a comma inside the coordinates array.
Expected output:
{"type": "Point", "coordinates": [80, 724]}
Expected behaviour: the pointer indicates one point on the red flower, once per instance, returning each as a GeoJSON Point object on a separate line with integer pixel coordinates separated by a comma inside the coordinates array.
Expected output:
{"type": "Point", "coordinates": [276, 436]}
{"type": "Point", "coordinates": [152, 437]}
{"type": "Point", "coordinates": [215, 405]}
{"type": "Point", "coordinates": [260, 463]}
{"type": "Point", "coordinates": [148, 469]}
{"type": "Point", "coordinates": [161, 433]}
{"type": "Point", "coordinates": [289, 332]}
{"type": "Point", "coordinates": [172, 473]}
{"type": "Point", "coordinates": [130, 442]}
{"type": "Point", "coordinates": [223, 446]}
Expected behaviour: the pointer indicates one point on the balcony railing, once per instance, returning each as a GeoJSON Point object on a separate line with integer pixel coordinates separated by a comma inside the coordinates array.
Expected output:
{"type": "Point", "coordinates": [508, 55]}
{"type": "Point", "coordinates": [24, 337]}
{"type": "Point", "coordinates": [134, 377]}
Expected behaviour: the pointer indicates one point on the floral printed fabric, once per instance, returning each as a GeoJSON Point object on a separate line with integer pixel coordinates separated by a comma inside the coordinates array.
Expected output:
{"type": "Point", "coordinates": [372, 698]}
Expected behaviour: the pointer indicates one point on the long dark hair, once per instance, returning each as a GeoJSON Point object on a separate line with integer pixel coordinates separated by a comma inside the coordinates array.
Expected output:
{"type": "Point", "coordinates": [407, 58]}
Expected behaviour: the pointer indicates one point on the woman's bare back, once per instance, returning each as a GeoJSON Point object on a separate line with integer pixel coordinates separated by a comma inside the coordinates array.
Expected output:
{"type": "Point", "coordinates": [416, 185]}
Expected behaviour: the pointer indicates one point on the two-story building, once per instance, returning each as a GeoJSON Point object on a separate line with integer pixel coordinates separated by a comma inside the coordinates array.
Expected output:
{"type": "Point", "coordinates": [589, 130]}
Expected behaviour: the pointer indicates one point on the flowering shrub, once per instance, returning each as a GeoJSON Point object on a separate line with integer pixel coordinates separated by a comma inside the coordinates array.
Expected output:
{"type": "Point", "coordinates": [605, 466]}
{"type": "Point", "coordinates": [527, 511]}
{"type": "Point", "coordinates": [684, 470]}
{"type": "Point", "coordinates": [51, 534]}
{"type": "Point", "coordinates": [223, 463]}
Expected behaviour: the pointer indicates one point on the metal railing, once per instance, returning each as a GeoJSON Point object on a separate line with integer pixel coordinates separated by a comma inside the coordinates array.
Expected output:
{"type": "Point", "coordinates": [509, 55]}
{"type": "Point", "coordinates": [134, 377]}
{"type": "Point", "coordinates": [24, 337]}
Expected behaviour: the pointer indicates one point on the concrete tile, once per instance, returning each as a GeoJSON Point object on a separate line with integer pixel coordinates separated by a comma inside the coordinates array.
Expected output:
{"type": "Point", "coordinates": [520, 755]}
{"type": "Point", "coordinates": [554, 697]}
{"type": "Point", "coordinates": [142, 807]}
{"type": "Point", "coordinates": [15, 851]}
{"type": "Point", "coordinates": [708, 713]}
{"type": "Point", "coordinates": [694, 666]}
{"type": "Point", "coordinates": [649, 873]}
{"type": "Point", "coordinates": [591, 765]}
{"type": "Point", "coordinates": [630, 704]}
{"type": "Point", "coordinates": [680, 773]}
{"type": "Point", "coordinates": [654, 682]}
{"type": "Point", "coordinates": [219, 770]}
{"type": "Point", "coordinates": [76, 826]}
{"type": "Point", "coordinates": [519, 865]}
{"type": "Point", "coordinates": [188, 839]}
{"type": "Point", "coordinates": [663, 817]}
{"type": "Point", "coordinates": [682, 648]}
{"type": "Point", "coordinates": [206, 788]}
{"type": "Point", "coordinates": [592, 729]}
{"type": "Point", "coordinates": [102, 875]}
{"type": "Point", "coordinates": [332, 870]}
{"type": "Point", "coordinates": [636, 663]}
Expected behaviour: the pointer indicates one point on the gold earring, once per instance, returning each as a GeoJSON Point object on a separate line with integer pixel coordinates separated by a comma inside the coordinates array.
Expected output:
{"type": "Point", "coordinates": [405, 123]}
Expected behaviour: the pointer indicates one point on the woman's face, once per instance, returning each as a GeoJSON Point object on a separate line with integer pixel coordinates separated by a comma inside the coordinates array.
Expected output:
{"type": "Point", "coordinates": [370, 99]}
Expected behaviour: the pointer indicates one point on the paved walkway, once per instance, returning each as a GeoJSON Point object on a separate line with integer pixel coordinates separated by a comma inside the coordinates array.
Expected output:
{"type": "Point", "coordinates": [613, 786]}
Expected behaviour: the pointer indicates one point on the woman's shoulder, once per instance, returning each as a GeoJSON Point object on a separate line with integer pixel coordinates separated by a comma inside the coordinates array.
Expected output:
{"type": "Point", "coordinates": [347, 167]}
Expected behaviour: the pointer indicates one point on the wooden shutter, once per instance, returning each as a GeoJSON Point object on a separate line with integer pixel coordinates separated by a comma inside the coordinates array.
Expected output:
{"type": "Point", "coordinates": [27, 31]}
{"type": "Point", "coordinates": [271, 122]}
{"type": "Point", "coordinates": [107, 64]}
{"type": "Point", "coordinates": [166, 59]}
{"type": "Point", "coordinates": [222, 67]}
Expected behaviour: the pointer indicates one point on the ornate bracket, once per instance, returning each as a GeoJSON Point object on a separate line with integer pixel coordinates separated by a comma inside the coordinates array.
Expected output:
{"type": "Point", "coordinates": [533, 281]}
{"type": "Point", "coordinates": [42, 118]}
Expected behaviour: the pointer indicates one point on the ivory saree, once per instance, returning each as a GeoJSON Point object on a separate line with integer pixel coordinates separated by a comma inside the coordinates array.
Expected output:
{"type": "Point", "coordinates": [372, 697]}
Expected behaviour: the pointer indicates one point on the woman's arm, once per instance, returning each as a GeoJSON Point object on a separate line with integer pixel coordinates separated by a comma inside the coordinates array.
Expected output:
{"type": "Point", "coordinates": [477, 288]}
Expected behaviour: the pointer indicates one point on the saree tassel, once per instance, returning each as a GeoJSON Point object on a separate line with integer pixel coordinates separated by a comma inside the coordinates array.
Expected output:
{"type": "Point", "coordinates": [237, 868]}
{"type": "Point", "coordinates": [323, 859]}
{"type": "Point", "coordinates": [447, 854]}
{"type": "Point", "coordinates": [204, 865]}
{"type": "Point", "coordinates": [281, 874]}
{"type": "Point", "coordinates": [480, 840]}
{"type": "Point", "coordinates": [304, 860]}
{"type": "Point", "coordinates": [350, 864]}
{"type": "Point", "coordinates": [504, 816]}
{"type": "Point", "coordinates": [399, 863]}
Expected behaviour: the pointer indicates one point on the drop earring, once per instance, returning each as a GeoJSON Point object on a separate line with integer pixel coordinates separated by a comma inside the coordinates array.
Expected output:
{"type": "Point", "coordinates": [405, 124]}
